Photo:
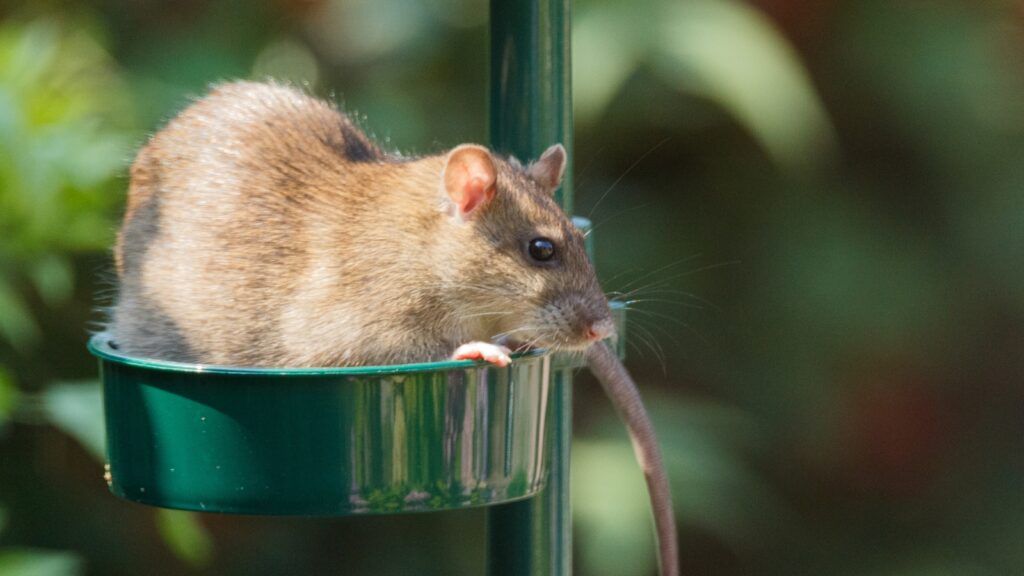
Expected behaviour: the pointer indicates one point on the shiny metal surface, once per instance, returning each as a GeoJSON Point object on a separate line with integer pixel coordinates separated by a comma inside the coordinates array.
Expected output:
{"type": "Point", "coordinates": [333, 441]}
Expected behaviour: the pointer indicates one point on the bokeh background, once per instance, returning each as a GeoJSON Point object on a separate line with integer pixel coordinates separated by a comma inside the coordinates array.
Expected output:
{"type": "Point", "coordinates": [816, 208]}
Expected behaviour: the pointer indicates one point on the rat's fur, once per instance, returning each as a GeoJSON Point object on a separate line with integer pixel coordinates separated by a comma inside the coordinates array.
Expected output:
{"type": "Point", "coordinates": [263, 228]}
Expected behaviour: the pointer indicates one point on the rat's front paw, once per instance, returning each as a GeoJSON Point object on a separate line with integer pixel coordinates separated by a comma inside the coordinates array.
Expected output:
{"type": "Point", "coordinates": [483, 351]}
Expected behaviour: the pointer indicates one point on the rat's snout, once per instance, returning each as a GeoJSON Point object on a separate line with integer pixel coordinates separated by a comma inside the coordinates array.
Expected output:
{"type": "Point", "coordinates": [600, 329]}
{"type": "Point", "coordinates": [573, 322]}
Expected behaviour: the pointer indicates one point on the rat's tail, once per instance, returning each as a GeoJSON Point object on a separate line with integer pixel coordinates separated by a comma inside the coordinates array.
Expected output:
{"type": "Point", "coordinates": [626, 398]}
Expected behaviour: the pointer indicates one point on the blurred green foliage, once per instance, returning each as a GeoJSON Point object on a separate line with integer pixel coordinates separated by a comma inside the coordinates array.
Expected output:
{"type": "Point", "coordinates": [187, 538]}
{"type": "Point", "coordinates": [815, 208]}
{"type": "Point", "coordinates": [719, 50]}
{"type": "Point", "coordinates": [64, 135]}
{"type": "Point", "coordinates": [38, 563]}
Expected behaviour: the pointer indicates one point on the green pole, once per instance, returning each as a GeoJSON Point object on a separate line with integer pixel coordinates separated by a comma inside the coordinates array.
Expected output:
{"type": "Point", "coordinates": [531, 89]}
{"type": "Point", "coordinates": [531, 109]}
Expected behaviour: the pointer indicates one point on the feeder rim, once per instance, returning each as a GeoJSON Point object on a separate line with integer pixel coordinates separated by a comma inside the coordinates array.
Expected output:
{"type": "Point", "coordinates": [100, 346]}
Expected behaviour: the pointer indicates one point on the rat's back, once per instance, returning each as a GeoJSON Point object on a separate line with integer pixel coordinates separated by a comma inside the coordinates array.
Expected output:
{"type": "Point", "coordinates": [263, 228]}
{"type": "Point", "coordinates": [216, 220]}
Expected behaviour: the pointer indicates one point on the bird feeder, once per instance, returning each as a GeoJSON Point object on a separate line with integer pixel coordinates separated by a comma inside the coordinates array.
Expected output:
{"type": "Point", "coordinates": [386, 439]}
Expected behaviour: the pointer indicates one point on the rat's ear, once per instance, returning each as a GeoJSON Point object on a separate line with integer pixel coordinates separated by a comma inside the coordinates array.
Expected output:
{"type": "Point", "coordinates": [549, 168]}
{"type": "Point", "coordinates": [469, 176]}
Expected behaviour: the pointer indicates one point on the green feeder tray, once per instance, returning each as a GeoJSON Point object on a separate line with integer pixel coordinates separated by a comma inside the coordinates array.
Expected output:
{"type": "Point", "coordinates": [330, 441]}
{"type": "Point", "coordinates": [324, 441]}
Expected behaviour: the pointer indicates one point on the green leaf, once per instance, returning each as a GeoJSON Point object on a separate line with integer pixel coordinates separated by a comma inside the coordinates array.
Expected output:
{"type": "Point", "coordinates": [63, 146]}
{"type": "Point", "coordinates": [77, 409]}
{"type": "Point", "coordinates": [607, 57]}
{"type": "Point", "coordinates": [29, 562]}
{"type": "Point", "coordinates": [733, 55]}
{"type": "Point", "coordinates": [185, 536]}
{"type": "Point", "coordinates": [611, 510]}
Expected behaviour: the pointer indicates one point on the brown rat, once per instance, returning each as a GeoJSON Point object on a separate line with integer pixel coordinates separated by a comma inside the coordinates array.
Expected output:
{"type": "Point", "coordinates": [263, 228]}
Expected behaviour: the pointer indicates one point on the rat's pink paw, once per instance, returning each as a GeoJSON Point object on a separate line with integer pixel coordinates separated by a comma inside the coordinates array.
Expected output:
{"type": "Point", "coordinates": [483, 351]}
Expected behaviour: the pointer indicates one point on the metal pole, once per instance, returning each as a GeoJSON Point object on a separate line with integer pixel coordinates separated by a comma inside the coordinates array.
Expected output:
{"type": "Point", "coordinates": [531, 90]}
{"type": "Point", "coordinates": [531, 109]}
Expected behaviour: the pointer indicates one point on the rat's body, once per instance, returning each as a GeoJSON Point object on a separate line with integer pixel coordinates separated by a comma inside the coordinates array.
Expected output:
{"type": "Point", "coordinates": [264, 229]}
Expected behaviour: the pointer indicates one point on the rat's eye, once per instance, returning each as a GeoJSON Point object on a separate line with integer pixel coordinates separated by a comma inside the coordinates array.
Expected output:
{"type": "Point", "coordinates": [541, 249]}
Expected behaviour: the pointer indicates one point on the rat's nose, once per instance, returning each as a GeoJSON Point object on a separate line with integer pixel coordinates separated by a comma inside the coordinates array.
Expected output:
{"type": "Point", "coordinates": [600, 329]}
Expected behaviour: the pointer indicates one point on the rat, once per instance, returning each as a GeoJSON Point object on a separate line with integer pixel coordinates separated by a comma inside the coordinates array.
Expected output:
{"type": "Point", "coordinates": [264, 228]}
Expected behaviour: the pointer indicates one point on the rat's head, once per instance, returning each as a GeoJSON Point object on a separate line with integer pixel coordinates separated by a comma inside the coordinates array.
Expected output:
{"type": "Point", "coordinates": [521, 267]}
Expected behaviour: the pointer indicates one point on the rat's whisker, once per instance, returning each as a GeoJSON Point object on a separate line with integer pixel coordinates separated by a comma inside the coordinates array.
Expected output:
{"type": "Point", "coordinates": [701, 269]}
{"type": "Point", "coordinates": [663, 285]}
{"type": "Point", "coordinates": [624, 174]}
{"type": "Point", "coordinates": [582, 173]}
{"type": "Point", "coordinates": [662, 301]}
{"type": "Point", "coordinates": [619, 275]}
{"type": "Point", "coordinates": [650, 341]}
{"type": "Point", "coordinates": [647, 275]}
{"type": "Point", "coordinates": [632, 345]}
{"type": "Point", "coordinates": [646, 336]}
{"type": "Point", "coordinates": [614, 216]}
{"type": "Point", "coordinates": [683, 293]}
{"type": "Point", "coordinates": [662, 329]}
{"type": "Point", "coordinates": [681, 323]}
{"type": "Point", "coordinates": [655, 289]}
{"type": "Point", "coordinates": [532, 342]}
{"type": "Point", "coordinates": [654, 314]}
